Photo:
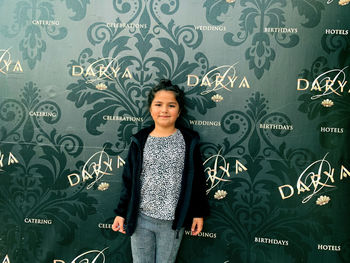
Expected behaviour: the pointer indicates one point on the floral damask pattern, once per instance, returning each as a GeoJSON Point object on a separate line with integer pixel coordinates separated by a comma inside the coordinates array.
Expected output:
{"type": "Point", "coordinates": [159, 52]}
{"type": "Point", "coordinates": [125, 48]}
{"type": "Point", "coordinates": [36, 20]}
{"type": "Point", "coordinates": [255, 16]}
{"type": "Point", "coordinates": [35, 185]}
{"type": "Point", "coordinates": [251, 208]}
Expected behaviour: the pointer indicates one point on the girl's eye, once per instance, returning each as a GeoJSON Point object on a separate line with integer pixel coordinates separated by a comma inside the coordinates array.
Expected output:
{"type": "Point", "coordinates": [157, 104]}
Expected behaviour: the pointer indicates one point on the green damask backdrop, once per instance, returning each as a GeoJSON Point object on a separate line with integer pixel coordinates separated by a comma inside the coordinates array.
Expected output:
{"type": "Point", "coordinates": [267, 89]}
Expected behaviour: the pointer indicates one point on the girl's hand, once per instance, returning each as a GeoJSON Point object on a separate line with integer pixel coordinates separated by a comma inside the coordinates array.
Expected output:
{"type": "Point", "coordinates": [197, 226]}
{"type": "Point", "coordinates": [118, 224]}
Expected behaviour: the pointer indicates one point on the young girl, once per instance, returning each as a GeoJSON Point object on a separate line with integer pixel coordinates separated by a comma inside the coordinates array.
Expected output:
{"type": "Point", "coordinates": [163, 182]}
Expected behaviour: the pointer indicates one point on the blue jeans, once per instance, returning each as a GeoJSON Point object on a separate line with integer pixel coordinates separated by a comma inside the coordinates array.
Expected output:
{"type": "Point", "coordinates": [154, 241]}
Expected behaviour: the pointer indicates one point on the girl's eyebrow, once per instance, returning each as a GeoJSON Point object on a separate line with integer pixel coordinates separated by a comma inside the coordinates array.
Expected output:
{"type": "Point", "coordinates": [159, 101]}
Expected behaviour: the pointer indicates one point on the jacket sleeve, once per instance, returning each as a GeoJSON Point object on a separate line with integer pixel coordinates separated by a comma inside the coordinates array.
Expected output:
{"type": "Point", "coordinates": [199, 200]}
{"type": "Point", "coordinates": [127, 181]}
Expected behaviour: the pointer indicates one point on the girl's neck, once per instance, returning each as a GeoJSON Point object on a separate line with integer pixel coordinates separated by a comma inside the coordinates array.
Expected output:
{"type": "Point", "coordinates": [162, 131]}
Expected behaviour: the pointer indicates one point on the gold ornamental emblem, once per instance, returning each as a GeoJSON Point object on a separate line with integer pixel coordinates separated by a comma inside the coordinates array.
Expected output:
{"type": "Point", "coordinates": [344, 2]}
{"type": "Point", "coordinates": [103, 186]}
{"type": "Point", "coordinates": [101, 86]}
{"type": "Point", "coordinates": [220, 194]}
{"type": "Point", "coordinates": [217, 98]}
{"type": "Point", "coordinates": [323, 200]}
{"type": "Point", "coordinates": [327, 103]}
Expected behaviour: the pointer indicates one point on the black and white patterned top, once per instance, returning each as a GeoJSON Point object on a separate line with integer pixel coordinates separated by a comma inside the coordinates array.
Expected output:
{"type": "Point", "coordinates": [162, 168]}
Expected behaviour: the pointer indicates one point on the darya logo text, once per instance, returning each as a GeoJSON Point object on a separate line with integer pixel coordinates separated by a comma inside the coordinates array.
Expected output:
{"type": "Point", "coordinates": [223, 77]}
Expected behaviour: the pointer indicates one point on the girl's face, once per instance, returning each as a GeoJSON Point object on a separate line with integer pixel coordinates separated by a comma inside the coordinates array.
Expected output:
{"type": "Point", "coordinates": [164, 109]}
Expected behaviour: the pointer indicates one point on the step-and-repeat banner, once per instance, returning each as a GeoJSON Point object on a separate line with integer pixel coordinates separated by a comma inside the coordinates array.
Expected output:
{"type": "Point", "coordinates": [267, 87]}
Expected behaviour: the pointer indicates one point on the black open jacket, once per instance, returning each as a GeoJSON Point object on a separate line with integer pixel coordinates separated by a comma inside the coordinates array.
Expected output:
{"type": "Point", "coordinates": [192, 201]}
